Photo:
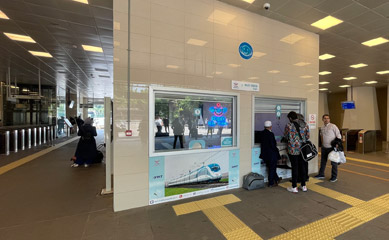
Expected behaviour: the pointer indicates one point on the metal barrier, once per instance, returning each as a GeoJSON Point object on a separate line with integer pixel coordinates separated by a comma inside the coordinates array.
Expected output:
{"type": "Point", "coordinates": [39, 135]}
{"type": "Point", "coordinates": [369, 141]}
{"type": "Point", "coordinates": [4, 142]}
{"type": "Point", "coordinates": [34, 137]}
{"type": "Point", "coordinates": [14, 140]}
{"type": "Point", "coordinates": [44, 135]}
{"type": "Point", "coordinates": [21, 136]}
{"type": "Point", "coordinates": [351, 139]}
{"type": "Point", "coordinates": [27, 138]}
{"type": "Point", "coordinates": [343, 132]}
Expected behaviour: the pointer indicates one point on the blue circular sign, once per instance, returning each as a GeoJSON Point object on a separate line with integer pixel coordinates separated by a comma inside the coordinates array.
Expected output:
{"type": "Point", "coordinates": [245, 50]}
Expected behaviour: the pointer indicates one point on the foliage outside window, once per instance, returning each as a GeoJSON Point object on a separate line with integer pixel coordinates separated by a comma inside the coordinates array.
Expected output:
{"type": "Point", "coordinates": [192, 121]}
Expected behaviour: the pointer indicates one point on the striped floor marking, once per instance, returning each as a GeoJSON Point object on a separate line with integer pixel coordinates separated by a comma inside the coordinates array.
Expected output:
{"type": "Point", "coordinates": [363, 166]}
{"type": "Point", "coordinates": [225, 221]}
{"type": "Point", "coordinates": [369, 162]}
{"type": "Point", "coordinates": [363, 174]}
{"type": "Point", "coordinates": [31, 157]}
{"type": "Point", "coordinates": [339, 223]}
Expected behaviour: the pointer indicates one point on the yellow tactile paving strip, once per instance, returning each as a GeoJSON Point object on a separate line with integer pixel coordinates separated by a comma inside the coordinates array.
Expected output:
{"type": "Point", "coordinates": [369, 162]}
{"type": "Point", "coordinates": [31, 157]}
{"type": "Point", "coordinates": [339, 223]}
{"type": "Point", "coordinates": [224, 220]}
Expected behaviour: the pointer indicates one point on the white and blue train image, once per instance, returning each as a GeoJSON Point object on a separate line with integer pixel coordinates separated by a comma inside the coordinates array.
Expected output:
{"type": "Point", "coordinates": [206, 174]}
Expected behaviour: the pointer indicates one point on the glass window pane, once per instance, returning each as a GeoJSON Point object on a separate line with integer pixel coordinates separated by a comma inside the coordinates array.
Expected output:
{"type": "Point", "coordinates": [192, 121]}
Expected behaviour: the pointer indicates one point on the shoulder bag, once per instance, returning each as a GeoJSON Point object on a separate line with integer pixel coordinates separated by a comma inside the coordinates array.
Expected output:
{"type": "Point", "coordinates": [308, 150]}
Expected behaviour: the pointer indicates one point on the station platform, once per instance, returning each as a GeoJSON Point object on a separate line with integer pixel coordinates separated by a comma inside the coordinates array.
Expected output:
{"type": "Point", "coordinates": [47, 199]}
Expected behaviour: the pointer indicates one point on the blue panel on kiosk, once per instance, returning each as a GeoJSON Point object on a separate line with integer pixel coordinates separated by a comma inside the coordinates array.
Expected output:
{"type": "Point", "coordinates": [348, 105]}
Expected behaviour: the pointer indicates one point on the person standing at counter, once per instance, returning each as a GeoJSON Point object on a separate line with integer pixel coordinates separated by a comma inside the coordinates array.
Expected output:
{"type": "Point", "coordinates": [296, 132]}
{"type": "Point", "coordinates": [270, 154]}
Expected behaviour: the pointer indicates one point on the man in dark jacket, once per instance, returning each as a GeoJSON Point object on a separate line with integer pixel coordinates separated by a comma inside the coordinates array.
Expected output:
{"type": "Point", "coordinates": [270, 153]}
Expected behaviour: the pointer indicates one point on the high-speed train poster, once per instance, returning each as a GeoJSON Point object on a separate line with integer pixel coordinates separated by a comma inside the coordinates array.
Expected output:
{"type": "Point", "coordinates": [189, 175]}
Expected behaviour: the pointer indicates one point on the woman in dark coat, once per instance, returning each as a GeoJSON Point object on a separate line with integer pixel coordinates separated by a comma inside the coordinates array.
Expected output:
{"type": "Point", "coordinates": [86, 148]}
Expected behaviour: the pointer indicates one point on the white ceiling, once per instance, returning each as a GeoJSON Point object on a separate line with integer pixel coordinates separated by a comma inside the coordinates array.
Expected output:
{"type": "Point", "coordinates": [59, 27]}
{"type": "Point", "coordinates": [363, 20]}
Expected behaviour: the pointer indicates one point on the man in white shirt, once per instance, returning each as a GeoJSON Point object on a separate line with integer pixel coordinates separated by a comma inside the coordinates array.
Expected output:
{"type": "Point", "coordinates": [328, 133]}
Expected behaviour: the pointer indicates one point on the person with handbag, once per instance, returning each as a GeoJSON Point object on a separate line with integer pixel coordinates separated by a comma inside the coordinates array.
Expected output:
{"type": "Point", "coordinates": [296, 132]}
{"type": "Point", "coordinates": [329, 132]}
{"type": "Point", "coordinates": [270, 154]}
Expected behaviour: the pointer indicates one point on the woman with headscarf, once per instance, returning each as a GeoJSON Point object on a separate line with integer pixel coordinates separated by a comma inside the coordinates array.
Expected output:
{"type": "Point", "coordinates": [86, 148]}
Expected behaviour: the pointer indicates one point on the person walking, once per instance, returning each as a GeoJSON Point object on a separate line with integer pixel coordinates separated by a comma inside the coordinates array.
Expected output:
{"type": "Point", "coordinates": [270, 154]}
{"type": "Point", "coordinates": [178, 126]}
{"type": "Point", "coordinates": [296, 132]}
{"type": "Point", "coordinates": [86, 148]}
{"type": "Point", "coordinates": [329, 132]}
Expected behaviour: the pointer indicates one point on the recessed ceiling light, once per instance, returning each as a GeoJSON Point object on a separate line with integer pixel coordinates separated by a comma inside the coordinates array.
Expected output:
{"type": "Point", "coordinates": [301, 64]}
{"type": "Point", "coordinates": [221, 17]}
{"type": "Point", "coordinates": [82, 1]}
{"type": "Point", "coordinates": [249, 1]}
{"type": "Point", "coordinates": [253, 78]}
{"type": "Point", "coordinates": [196, 42]}
{"type": "Point", "coordinates": [323, 83]}
{"type": "Point", "coordinates": [3, 16]}
{"type": "Point", "coordinates": [326, 22]}
{"type": "Point", "coordinates": [359, 65]}
{"type": "Point", "coordinates": [234, 65]}
{"type": "Point", "coordinates": [324, 73]}
{"type": "Point", "coordinates": [258, 54]}
{"type": "Point", "coordinates": [375, 42]}
{"type": "Point", "coordinates": [344, 86]}
{"type": "Point", "coordinates": [309, 84]}
{"type": "Point", "coordinates": [349, 78]}
{"type": "Point", "coordinates": [383, 72]}
{"type": "Point", "coordinates": [273, 71]}
{"type": "Point", "coordinates": [218, 73]}
{"type": "Point", "coordinates": [172, 66]}
{"type": "Point", "coordinates": [292, 38]}
{"type": "Point", "coordinates": [284, 81]}
{"type": "Point", "coordinates": [40, 54]}
{"type": "Point", "coordinates": [92, 48]}
{"type": "Point", "coordinates": [323, 89]}
{"type": "Point", "coordinates": [371, 82]}
{"type": "Point", "coordinates": [326, 56]}
{"type": "Point", "coordinates": [20, 38]}
{"type": "Point", "coordinates": [306, 76]}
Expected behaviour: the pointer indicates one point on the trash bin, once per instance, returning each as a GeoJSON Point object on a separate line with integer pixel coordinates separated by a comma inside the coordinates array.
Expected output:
{"type": "Point", "coordinates": [366, 141]}
{"type": "Point", "coordinates": [4, 142]}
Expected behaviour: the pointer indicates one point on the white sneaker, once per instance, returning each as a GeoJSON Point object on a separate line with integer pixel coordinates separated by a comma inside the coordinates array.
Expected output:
{"type": "Point", "coordinates": [86, 165]}
{"type": "Point", "coordinates": [292, 189]}
{"type": "Point", "coordinates": [74, 165]}
{"type": "Point", "coordinates": [304, 188]}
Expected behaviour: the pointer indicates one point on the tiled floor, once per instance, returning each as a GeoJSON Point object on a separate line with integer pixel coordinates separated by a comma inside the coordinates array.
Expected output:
{"type": "Point", "coordinates": [46, 199]}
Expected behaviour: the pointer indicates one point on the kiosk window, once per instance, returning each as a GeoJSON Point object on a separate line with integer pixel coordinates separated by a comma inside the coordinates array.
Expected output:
{"type": "Point", "coordinates": [185, 121]}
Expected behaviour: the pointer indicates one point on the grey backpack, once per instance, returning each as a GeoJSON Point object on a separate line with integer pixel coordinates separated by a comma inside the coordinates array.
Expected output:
{"type": "Point", "coordinates": [253, 181]}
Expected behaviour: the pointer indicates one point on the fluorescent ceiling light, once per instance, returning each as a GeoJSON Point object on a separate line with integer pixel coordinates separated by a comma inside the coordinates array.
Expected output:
{"type": "Point", "coordinates": [323, 89]}
{"type": "Point", "coordinates": [326, 22]}
{"type": "Point", "coordinates": [326, 56]}
{"type": "Point", "coordinates": [371, 82]}
{"type": "Point", "coordinates": [196, 42]}
{"type": "Point", "coordinates": [172, 66]}
{"type": "Point", "coordinates": [273, 71]}
{"type": "Point", "coordinates": [20, 38]}
{"type": "Point", "coordinates": [284, 81]}
{"type": "Point", "coordinates": [344, 86]}
{"type": "Point", "coordinates": [234, 65]}
{"type": "Point", "coordinates": [349, 78]}
{"type": "Point", "coordinates": [375, 42]}
{"type": "Point", "coordinates": [221, 17]}
{"type": "Point", "coordinates": [253, 78]}
{"type": "Point", "coordinates": [249, 1]}
{"type": "Point", "coordinates": [3, 16]}
{"type": "Point", "coordinates": [218, 73]}
{"type": "Point", "coordinates": [383, 72]}
{"type": "Point", "coordinates": [309, 84]}
{"type": "Point", "coordinates": [209, 76]}
{"type": "Point", "coordinates": [302, 64]}
{"type": "Point", "coordinates": [40, 54]}
{"type": "Point", "coordinates": [324, 73]}
{"type": "Point", "coordinates": [82, 1]}
{"type": "Point", "coordinates": [92, 48]}
{"type": "Point", "coordinates": [323, 83]}
{"type": "Point", "coordinates": [359, 65]}
{"type": "Point", "coordinates": [258, 54]}
{"type": "Point", "coordinates": [306, 76]}
{"type": "Point", "coordinates": [292, 38]}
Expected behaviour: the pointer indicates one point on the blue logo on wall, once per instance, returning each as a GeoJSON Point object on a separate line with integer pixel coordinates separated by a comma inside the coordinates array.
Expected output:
{"type": "Point", "coordinates": [245, 50]}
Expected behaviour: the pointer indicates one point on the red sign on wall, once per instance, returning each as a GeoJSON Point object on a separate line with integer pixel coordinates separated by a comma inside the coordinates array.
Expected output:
{"type": "Point", "coordinates": [128, 133]}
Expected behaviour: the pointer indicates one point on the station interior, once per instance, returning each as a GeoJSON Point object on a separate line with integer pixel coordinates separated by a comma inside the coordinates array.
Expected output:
{"type": "Point", "coordinates": [178, 92]}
